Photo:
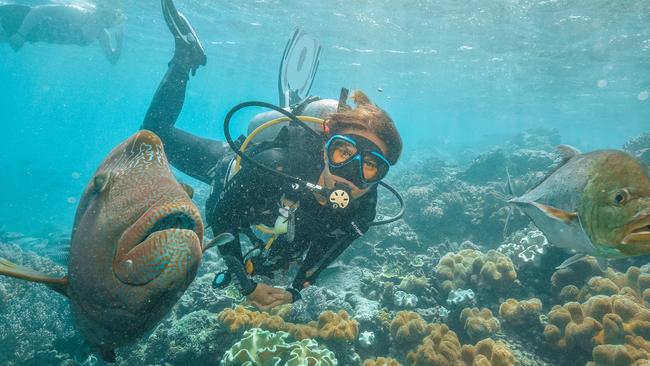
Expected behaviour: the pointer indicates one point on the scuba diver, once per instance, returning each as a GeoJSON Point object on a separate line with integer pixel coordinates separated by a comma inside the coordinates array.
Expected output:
{"type": "Point", "coordinates": [63, 24]}
{"type": "Point", "coordinates": [311, 189]}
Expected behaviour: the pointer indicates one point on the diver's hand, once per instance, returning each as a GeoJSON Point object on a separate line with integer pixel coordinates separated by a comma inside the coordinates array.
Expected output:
{"type": "Point", "coordinates": [16, 41]}
{"type": "Point", "coordinates": [266, 297]}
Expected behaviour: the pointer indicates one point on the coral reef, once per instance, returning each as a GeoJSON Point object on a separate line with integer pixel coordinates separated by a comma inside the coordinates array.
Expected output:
{"type": "Point", "coordinates": [260, 347]}
{"type": "Point", "coordinates": [639, 147]}
{"type": "Point", "coordinates": [479, 324]}
{"type": "Point", "coordinates": [489, 353]}
{"type": "Point", "coordinates": [315, 300]}
{"type": "Point", "coordinates": [36, 322]}
{"type": "Point", "coordinates": [408, 329]}
{"type": "Point", "coordinates": [332, 326]}
{"type": "Point", "coordinates": [525, 249]}
{"type": "Point", "coordinates": [404, 300]}
{"type": "Point", "coordinates": [381, 361]}
{"type": "Point", "coordinates": [441, 347]}
{"type": "Point", "coordinates": [188, 340]}
{"type": "Point", "coordinates": [598, 321]}
{"type": "Point", "coordinates": [460, 298]}
{"type": "Point", "coordinates": [520, 314]}
{"type": "Point", "coordinates": [491, 272]}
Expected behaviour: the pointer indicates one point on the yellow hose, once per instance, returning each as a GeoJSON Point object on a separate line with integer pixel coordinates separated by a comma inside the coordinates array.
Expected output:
{"type": "Point", "coordinates": [264, 126]}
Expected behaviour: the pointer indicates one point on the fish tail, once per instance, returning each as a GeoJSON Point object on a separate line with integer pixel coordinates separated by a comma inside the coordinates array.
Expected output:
{"type": "Point", "coordinates": [10, 269]}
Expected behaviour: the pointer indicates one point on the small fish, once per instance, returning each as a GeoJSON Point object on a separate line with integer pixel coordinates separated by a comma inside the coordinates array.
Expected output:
{"type": "Point", "coordinates": [596, 203]}
{"type": "Point", "coordinates": [135, 248]}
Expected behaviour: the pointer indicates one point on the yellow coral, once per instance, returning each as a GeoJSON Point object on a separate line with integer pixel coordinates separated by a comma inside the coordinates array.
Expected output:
{"type": "Point", "coordinates": [337, 326]}
{"type": "Point", "coordinates": [408, 329]}
{"type": "Point", "coordinates": [487, 352]}
{"type": "Point", "coordinates": [441, 347]}
{"type": "Point", "coordinates": [381, 361]}
{"type": "Point", "coordinates": [471, 268]}
{"type": "Point", "coordinates": [479, 323]}
{"type": "Point", "coordinates": [519, 314]}
{"type": "Point", "coordinates": [330, 326]}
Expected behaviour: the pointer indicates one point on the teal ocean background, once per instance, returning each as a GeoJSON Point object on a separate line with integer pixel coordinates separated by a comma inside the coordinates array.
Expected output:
{"type": "Point", "coordinates": [453, 75]}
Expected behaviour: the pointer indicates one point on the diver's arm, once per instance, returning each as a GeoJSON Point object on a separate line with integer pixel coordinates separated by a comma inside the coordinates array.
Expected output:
{"type": "Point", "coordinates": [317, 260]}
{"type": "Point", "coordinates": [191, 154]}
{"type": "Point", "coordinates": [111, 51]}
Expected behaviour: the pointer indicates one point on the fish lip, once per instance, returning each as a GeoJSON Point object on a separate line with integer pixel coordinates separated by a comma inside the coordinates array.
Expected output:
{"type": "Point", "coordinates": [640, 231]}
{"type": "Point", "coordinates": [145, 225]}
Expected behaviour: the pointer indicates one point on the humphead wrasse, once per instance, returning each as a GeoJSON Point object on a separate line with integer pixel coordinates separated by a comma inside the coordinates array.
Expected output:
{"type": "Point", "coordinates": [136, 247]}
{"type": "Point", "coordinates": [596, 203]}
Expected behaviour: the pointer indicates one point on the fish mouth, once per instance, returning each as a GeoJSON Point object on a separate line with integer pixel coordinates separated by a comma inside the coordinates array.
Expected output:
{"type": "Point", "coordinates": [168, 234]}
{"type": "Point", "coordinates": [640, 232]}
{"type": "Point", "coordinates": [175, 220]}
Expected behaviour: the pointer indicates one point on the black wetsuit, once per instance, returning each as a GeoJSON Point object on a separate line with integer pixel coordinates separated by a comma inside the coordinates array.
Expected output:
{"type": "Point", "coordinates": [253, 196]}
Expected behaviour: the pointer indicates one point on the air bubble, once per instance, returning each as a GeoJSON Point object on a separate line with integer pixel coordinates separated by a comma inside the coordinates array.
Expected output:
{"type": "Point", "coordinates": [642, 95]}
{"type": "Point", "coordinates": [601, 83]}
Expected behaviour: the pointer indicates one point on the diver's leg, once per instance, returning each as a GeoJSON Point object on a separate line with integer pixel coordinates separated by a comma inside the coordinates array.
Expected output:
{"type": "Point", "coordinates": [191, 154]}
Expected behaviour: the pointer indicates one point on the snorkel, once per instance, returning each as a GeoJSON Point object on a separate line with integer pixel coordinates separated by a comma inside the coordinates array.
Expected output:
{"type": "Point", "coordinates": [338, 197]}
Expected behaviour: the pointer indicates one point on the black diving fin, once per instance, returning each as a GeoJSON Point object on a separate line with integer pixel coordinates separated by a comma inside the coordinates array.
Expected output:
{"type": "Point", "coordinates": [188, 44]}
{"type": "Point", "coordinates": [298, 68]}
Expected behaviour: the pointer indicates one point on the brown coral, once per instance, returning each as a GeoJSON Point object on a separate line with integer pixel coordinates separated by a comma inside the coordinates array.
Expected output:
{"type": "Point", "coordinates": [471, 268]}
{"type": "Point", "coordinates": [332, 326]}
{"type": "Point", "coordinates": [598, 321]}
{"type": "Point", "coordinates": [479, 324]}
{"type": "Point", "coordinates": [576, 274]}
{"type": "Point", "coordinates": [441, 347]}
{"type": "Point", "coordinates": [487, 353]}
{"type": "Point", "coordinates": [519, 314]}
{"type": "Point", "coordinates": [381, 361]}
{"type": "Point", "coordinates": [408, 329]}
{"type": "Point", "coordinates": [337, 326]}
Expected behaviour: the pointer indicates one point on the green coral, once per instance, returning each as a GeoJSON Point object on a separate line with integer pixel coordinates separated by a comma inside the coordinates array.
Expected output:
{"type": "Point", "coordinates": [261, 347]}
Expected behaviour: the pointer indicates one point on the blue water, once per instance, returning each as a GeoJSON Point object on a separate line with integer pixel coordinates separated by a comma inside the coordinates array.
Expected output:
{"type": "Point", "coordinates": [452, 74]}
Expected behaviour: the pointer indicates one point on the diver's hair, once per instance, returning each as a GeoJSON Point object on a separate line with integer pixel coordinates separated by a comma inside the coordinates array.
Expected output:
{"type": "Point", "coordinates": [367, 116]}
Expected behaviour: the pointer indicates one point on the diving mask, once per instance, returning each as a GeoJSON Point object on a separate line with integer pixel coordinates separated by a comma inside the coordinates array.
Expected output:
{"type": "Point", "coordinates": [356, 159]}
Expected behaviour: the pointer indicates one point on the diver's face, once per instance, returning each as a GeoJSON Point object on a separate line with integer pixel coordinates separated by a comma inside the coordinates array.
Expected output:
{"type": "Point", "coordinates": [329, 180]}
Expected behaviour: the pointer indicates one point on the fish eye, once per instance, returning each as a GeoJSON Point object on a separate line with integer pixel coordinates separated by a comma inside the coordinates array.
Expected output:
{"type": "Point", "coordinates": [621, 197]}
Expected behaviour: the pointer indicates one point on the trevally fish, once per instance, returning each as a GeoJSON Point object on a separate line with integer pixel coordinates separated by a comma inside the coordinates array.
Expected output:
{"type": "Point", "coordinates": [597, 203]}
{"type": "Point", "coordinates": [136, 246]}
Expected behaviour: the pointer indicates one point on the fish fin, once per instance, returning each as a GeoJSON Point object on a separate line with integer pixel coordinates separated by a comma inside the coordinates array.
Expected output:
{"type": "Point", "coordinates": [555, 213]}
{"type": "Point", "coordinates": [573, 259]}
{"type": "Point", "coordinates": [510, 194]}
{"type": "Point", "coordinates": [219, 240]}
{"type": "Point", "coordinates": [298, 68]}
{"type": "Point", "coordinates": [100, 182]}
{"type": "Point", "coordinates": [510, 189]}
{"type": "Point", "coordinates": [602, 263]}
{"type": "Point", "coordinates": [10, 269]}
{"type": "Point", "coordinates": [567, 152]}
{"type": "Point", "coordinates": [188, 189]}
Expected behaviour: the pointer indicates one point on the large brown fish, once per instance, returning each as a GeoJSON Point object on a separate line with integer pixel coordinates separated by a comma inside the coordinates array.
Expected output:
{"type": "Point", "coordinates": [596, 203]}
{"type": "Point", "coordinates": [136, 247]}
